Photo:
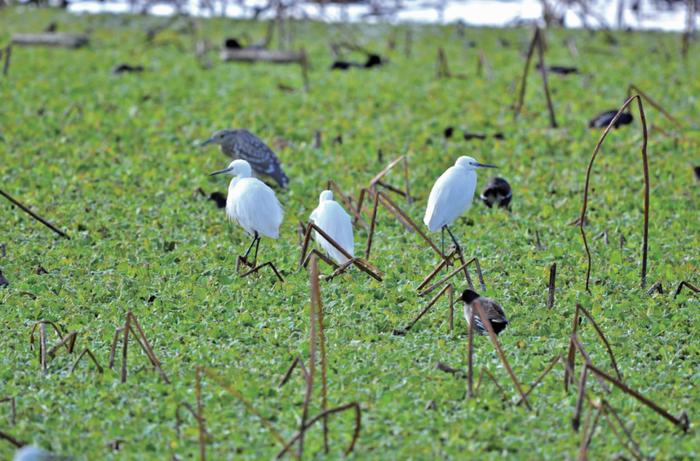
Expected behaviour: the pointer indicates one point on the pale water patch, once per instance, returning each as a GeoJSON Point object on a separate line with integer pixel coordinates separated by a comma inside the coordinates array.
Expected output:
{"type": "Point", "coordinates": [493, 13]}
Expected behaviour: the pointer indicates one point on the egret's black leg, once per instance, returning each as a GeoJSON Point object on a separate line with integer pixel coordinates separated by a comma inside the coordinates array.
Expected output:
{"type": "Point", "coordinates": [457, 247]}
{"type": "Point", "coordinates": [257, 244]}
{"type": "Point", "coordinates": [255, 238]}
{"type": "Point", "coordinates": [442, 245]}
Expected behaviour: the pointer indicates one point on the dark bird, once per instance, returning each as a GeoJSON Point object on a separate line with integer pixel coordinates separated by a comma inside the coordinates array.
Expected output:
{"type": "Point", "coordinates": [561, 70]}
{"type": "Point", "coordinates": [242, 144]}
{"type": "Point", "coordinates": [604, 119]}
{"type": "Point", "coordinates": [493, 311]}
{"type": "Point", "coordinates": [126, 68]}
{"type": "Point", "coordinates": [497, 192]}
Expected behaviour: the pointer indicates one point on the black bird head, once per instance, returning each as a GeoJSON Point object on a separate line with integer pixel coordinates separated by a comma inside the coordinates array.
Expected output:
{"type": "Point", "coordinates": [469, 295]}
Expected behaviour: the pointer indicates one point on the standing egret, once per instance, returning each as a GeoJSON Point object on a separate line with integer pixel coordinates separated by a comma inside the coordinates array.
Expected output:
{"type": "Point", "coordinates": [452, 195]}
{"type": "Point", "coordinates": [493, 312]}
{"type": "Point", "coordinates": [334, 221]}
{"type": "Point", "coordinates": [244, 145]}
{"type": "Point", "coordinates": [252, 204]}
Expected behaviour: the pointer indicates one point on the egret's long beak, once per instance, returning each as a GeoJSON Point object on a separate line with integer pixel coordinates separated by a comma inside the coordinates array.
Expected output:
{"type": "Point", "coordinates": [483, 165]}
{"type": "Point", "coordinates": [225, 170]}
{"type": "Point", "coordinates": [207, 142]}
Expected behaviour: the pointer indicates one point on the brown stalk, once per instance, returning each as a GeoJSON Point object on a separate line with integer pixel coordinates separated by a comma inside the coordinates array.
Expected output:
{"type": "Point", "coordinates": [89, 353]}
{"type": "Point", "coordinates": [146, 346]}
{"type": "Point", "coordinates": [551, 287]}
{"type": "Point", "coordinates": [635, 89]}
{"type": "Point", "coordinates": [635, 450]}
{"type": "Point", "coordinates": [125, 347]}
{"type": "Point", "coordinates": [470, 357]}
{"type": "Point", "coordinates": [545, 84]}
{"type": "Point", "coordinates": [645, 165]}
{"type": "Point", "coordinates": [450, 275]}
{"type": "Point", "coordinates": [451, 296]}
{"type": "Point", "coordinates": [484, 64]}
{"type": "Point", "coordinates": [487, 323]}
{"type": "Point", "coordinates": [576, 420]}
{"type": "Point", "coordinates": [315, 290]}
{"type": "Point", "coordinates": [570, 364]}
{"type": "Point", "coordinates": [317, 304]}
{"type": "Point", "coordinates": [6, 65]}
{"type": "Point", "coordinates": [401, 215]}
{"type": "Point", "coordinates": [687, 285]}
{"type": "Point", "coordinates": [297, 362]}
{"type": "Point", "coordinates": [373, 222]}
{"type": "Point", "coordinates": [438, 268]}
{"type": "Point", "coordinates": [588, 432]}
{"type": "Point", "coordinates": [504, 395]}
{"type": "Point", "coordinates": [34, 215]}
{"type": "Point", "coordinates": [361, 264]}
{"type": "Point", "coordinates": [68, 341]}
{"type": "Point", "coordinates": [42, 346]}
{"type": "Point", "coordinates": [12, 440]}
{"type": "Point", "coordinates": [13, 408]}
{"type": "Point", "coordinates": [540, 377]}
{"type": "Point", "coordinates": [375, 180]}
{"type": "Point", "coordinates": [431, 303]}
{"type": "Point", "coordinates": [587, 360]}
{"type": "Point", "coordinates": [249, 407]}
{"type": "Point", "coordinates": [598, 330]}
{"type": "Point", "coordinates": [681, 422]}
{"type": "Point", "coordinates": [523, 80]}
{"type": "Point", "coordinates": [304, 63]}
{"type": "Point", "coordinates": [442, 68]}
{"type": "Point", "coordinates": [199, 415]}
{"type": "Point", "coordinates": [324, 414]}
{"type": "Point", "coordinates": [113, 348]}
{"type": "Point", "coordinates": [347, 201]}
{"type": "Point", "coordinates": [655, 288]}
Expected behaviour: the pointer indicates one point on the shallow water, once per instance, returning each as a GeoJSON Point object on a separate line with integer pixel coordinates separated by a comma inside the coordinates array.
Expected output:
{"type": "Point", "coordinates": [493, 13]}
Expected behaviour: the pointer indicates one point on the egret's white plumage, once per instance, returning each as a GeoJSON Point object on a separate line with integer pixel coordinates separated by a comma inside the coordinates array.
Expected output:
{"type": "Point", "coordinates": [452, 194]}
{"type": "Point", "coordinates": [251, 202]}
{"type": "Point", "coordinates": [33, 453]}
{"type": "Point", "coordinates": [334, 221]}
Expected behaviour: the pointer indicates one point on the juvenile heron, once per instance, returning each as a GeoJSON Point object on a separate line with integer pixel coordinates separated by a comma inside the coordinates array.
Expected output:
{"type": "Point", "coordinates": [334, 221]}
{"type": "Point", "coordinates": [252, 204]}
{"type": "Point", "coordinates": [244, 145]}
{"type": "Point", "coordinates": [452, 195]}
{"type": "Point", "coordinates": [494, 312]}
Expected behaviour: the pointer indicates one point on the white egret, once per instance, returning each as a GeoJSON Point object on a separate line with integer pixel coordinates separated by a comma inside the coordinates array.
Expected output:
{"type": "Point", "coordinates": [334, 221]}
{"type": "Point", "coordinates": [494, 312]}
{"type": "Point", "coordinates": [452, 195]}
{"type": "Point", "coordinates": [252, 204]}
{"type": "Point", "coordinates": [34, 453]}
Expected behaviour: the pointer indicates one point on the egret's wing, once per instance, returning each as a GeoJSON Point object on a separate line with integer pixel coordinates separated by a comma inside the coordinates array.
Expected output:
{"type": "Point", "coordinates": [254, 205]}
{"type": "Point", "coordinates": [335, 222]}
{"type": "Point", "coordinates": [451, 195]}
{"type": "Point", "coordinates": [261, 158]}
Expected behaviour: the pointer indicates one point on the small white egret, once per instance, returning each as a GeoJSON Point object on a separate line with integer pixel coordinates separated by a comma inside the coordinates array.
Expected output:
{"type": "Point", "coordinates": [452, 195]}
{"type": "Point", "coordinates": [252, 204]}
{"type": "Point", "coordinates": [494, 312]}
{"type": "Point", "coordinates": [334, 221]}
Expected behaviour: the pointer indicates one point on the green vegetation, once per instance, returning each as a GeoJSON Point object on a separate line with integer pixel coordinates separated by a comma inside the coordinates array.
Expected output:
{"type": "Point", "coordinates": [114, 161]}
